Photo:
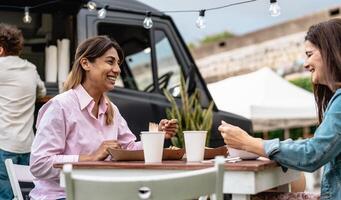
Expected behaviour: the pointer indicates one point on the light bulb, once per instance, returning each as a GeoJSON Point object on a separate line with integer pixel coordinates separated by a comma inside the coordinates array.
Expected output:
{"type": "Point", "coordinates": [92, 6]}
{"type": "Point", "coordinates": [27, 19]}
{"type": "Point", "coordinates": [274, 8]}
{"type": "Point", "coordinates": [102, 13]}
{"type": "Point", "coordinates": [201, 22]}
{"type": "Point", "coordinates": [148, 22]}
{"type": "Point", "coordinates": [147, 50]}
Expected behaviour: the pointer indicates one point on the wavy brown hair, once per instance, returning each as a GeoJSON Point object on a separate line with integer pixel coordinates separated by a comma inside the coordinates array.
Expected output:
{"type": "Point", "coordinates": [91, 49]}
{"type": "Point", "coordinates": [326, 36]}
{"type": "Point", "coordinates": [11, 39]}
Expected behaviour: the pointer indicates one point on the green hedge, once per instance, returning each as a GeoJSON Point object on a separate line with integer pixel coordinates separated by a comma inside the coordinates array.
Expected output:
{"type": "Point", "coordinates": [304, 83]}
{"type": "Point", "coordinates": [295, 133]}
{"type": "Point", "coordinates": [217, 37]}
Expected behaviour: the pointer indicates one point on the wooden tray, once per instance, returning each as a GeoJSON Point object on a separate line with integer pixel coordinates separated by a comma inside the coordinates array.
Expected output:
{"type": "Point", "coordinates": [137, 155]}
{"type": "Point", "coordinates": [210, 153]}
{"type": "Point", "coordinates": [168, 154]}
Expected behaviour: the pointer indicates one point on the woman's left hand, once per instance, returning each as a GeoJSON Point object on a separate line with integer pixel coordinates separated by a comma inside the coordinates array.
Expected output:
{"type": "Point", "coordinates": [170, 127]}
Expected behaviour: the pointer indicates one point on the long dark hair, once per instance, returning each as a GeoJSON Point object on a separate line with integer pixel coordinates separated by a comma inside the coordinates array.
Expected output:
{"type": "Point", "coordinates": [91, 49]}
{"type": "Point", "coordinates": [326, 36]}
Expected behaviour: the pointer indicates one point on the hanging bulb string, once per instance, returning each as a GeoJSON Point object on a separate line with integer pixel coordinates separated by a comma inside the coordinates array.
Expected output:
{"type": "Point", "coordinates": [166, 11]}
{"type": "Point", "coordinates": [274, 9]}
{"type": "Point", "coordinates": [178, 11]}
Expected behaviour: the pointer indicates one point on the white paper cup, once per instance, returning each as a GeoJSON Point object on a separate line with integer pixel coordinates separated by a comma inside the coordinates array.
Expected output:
{"type": "Point", "coordinates": [152, 143]}
{"type": "Point", "coordinates": [195, 145]}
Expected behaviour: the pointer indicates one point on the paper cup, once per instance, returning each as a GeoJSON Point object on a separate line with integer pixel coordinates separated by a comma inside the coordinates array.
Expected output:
{"type": "Point", "coordinates": [195, 145]}
{"type": "Point", "coordinates": [152, 143]}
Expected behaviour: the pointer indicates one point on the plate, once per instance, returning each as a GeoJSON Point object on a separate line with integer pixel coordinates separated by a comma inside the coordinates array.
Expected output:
{"type": "Point", "coordinates": [211, 153]}
{"type": "Point", "coordinates": [137, 155]}
{"type": "Point", "coordinates": [242, 154]}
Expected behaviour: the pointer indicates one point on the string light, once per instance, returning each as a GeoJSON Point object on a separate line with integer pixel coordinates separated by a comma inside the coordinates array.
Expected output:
{"type": "Point", "coordinates": [201, 22]}
{"type": "Point", "coordinates": [92, 6]}
{"type": "Point", "coordinates": [148, 22]}
{"type": "Point", "coordinates": [102, 13]}
{"type": "Point", "coordinates": [274, 8]}
{"type": "Point", "coordinates": [27, 19]}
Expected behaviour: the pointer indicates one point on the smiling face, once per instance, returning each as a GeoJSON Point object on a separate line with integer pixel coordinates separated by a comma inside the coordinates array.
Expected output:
{"type": "Point", "coordinates": [314, 64]}
{"type": "Point", "coordinates": [101, 74]}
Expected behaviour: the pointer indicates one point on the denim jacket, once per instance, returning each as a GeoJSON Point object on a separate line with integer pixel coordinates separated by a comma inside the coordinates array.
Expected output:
{"type": "Point", "coordinates": [310, 154]}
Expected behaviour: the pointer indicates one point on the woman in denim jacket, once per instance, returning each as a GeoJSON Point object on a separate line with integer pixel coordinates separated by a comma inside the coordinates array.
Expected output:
{"type": "Point", "coordinates": [323, 50]}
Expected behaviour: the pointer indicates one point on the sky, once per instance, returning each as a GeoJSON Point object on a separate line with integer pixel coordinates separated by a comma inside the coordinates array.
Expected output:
{"type": "Point", "coordinates": [239, 19]}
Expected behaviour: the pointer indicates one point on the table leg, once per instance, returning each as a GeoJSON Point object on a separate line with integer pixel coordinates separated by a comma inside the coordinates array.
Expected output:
{"type": "Point", "coordinates": [240, 197]}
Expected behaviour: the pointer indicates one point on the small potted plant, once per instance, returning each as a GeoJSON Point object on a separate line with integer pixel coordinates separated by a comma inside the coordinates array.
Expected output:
{"type": "Point", "coordinates": [190, 115]}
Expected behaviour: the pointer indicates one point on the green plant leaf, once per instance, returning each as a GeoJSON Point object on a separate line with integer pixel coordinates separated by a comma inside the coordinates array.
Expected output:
{"type": "Point", "coordinates": [190, 115]}
{"type": "Point", "coordinates": [175, 141]}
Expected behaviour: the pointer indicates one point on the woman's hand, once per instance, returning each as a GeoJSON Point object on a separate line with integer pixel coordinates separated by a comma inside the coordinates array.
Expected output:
{"type": "Point", "coordinates": [170, 127]}
{"type": "Point", "coordinates": [102, 152]}
{"type": "Point", "coordinates": [234, 136]}
{"type": "Point", "coordinates": [237, 138]}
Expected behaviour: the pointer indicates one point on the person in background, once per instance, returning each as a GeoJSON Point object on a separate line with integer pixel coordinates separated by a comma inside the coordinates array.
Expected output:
{"type": "Point", "coordinates": [19, 86]}
{"type": "Point", "coordinates": [81, 123]}
{"type": "Point", "coordinates": [323, 50]}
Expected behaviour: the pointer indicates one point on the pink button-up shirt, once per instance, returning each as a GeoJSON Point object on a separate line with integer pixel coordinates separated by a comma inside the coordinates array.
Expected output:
{"type": "Point", "coordinates": [66, 128]}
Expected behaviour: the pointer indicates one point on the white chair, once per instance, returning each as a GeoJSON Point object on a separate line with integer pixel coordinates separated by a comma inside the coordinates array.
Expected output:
{"type": "Point", "coordinates": [17, 173]}
{"type": "Point", "coordinates": [184, 185]}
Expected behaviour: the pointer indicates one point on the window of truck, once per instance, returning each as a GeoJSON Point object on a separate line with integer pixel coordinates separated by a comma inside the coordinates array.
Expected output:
{"type": "Point", "coordinates": [168, 67]}
{"type": "Point", "coordinates": [136, 70]}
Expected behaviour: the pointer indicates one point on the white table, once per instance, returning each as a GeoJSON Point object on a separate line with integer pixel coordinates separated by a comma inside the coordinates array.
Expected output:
{"type": "Point", "coordinates": [241, 179]}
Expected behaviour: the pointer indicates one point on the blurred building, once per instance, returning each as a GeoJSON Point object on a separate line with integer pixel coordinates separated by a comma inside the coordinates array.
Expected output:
{"type": "Point", "coordinates": [280, 47]}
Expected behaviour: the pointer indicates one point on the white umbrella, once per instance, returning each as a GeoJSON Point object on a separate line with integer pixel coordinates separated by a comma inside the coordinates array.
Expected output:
{"type": "Point", "coordinates": [267, 99]}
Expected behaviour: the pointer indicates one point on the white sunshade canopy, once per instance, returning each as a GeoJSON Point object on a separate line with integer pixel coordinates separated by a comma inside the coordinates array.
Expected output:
{"type": "Point", "coordinates": [263, 95]}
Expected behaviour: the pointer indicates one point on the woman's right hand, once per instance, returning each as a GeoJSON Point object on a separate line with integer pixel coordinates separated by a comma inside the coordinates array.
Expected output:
{"type": "Point", "coordinates": [102, 152]}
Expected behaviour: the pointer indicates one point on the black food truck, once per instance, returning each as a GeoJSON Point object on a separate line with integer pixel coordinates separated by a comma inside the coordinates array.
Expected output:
{"type": "Point", "coordinates": [155, 58]}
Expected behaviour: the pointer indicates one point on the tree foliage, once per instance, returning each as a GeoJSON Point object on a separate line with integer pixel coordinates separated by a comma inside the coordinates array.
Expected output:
{"type": "Point", "coordinates": [304, 83]}
{"type": "Point", "coordinates": [217, 37]}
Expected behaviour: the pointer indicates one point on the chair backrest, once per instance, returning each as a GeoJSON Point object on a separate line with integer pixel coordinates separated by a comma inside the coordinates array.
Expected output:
{"type": "Point", "coordinates": [18, 173]}
{"type": "Point", "coordinates": [182, 185]}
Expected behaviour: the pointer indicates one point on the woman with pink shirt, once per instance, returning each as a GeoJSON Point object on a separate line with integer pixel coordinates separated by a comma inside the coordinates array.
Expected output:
{"type": "Point", "coordinates": [81, 123]}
